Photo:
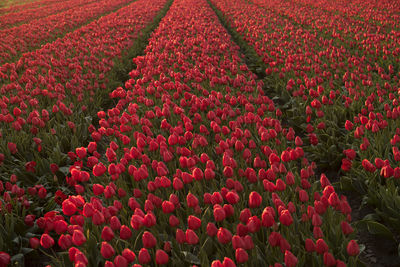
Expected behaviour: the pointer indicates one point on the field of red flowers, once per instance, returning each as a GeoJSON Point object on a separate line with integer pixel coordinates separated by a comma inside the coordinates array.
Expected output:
{"type": "Point", "coordinates": [200, 133]}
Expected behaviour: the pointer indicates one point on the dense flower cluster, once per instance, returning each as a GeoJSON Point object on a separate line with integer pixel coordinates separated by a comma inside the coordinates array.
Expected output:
{"type": "Point", "coordinates": [197, 166]}
{"type": "Point", "coordinates": [50, 90]}
{"type": "Point", "coordinates": [26, 37]}
{"type": "Point", "coordinates": [339, 71]}
{"type": "Point", "coordinates": [19, 5]}
{"type": "Point", "coordinates": [26, 15]}
{"type": "Point", "coordinates": [194, 159]}
{"type": "Point", "coordinates": [46, 99]}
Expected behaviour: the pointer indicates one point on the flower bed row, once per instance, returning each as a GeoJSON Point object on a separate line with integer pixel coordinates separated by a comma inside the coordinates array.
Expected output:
{"type": "Point", "coordinates": [17, 6]}
{"type": "Point", "coordinates": [339, 82]}
{"type": "Point", "coordinates": [10, 6]}
{"type": "Point", "coordinates": [48, 100]}
{"type": "Point", "coordinates": [386, 15]}
{"type": "Point", "coordinates": [24, 16]}
{"type": "Point", "coordinates": [30, 36]}
{"type": "Point", "coordinates": [193, 166]}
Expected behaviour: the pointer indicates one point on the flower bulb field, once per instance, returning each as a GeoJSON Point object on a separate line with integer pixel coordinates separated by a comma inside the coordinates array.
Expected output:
{"type": "Point", "coordinates": [200, 133]}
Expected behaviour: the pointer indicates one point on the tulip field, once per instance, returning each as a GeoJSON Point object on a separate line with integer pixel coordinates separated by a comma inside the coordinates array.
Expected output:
{"type": "Point", "coordinates": [199, 133]}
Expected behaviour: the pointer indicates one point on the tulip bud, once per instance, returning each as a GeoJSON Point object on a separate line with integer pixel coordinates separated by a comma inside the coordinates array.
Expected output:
{"type": "Point", "coordinates": [290, 259]}
{"type": "Point", "coordinates": [34, 242]}
{"type": "Point", "coordinates": [107, 251]}
{"type": "Point", "coordinates": [148, 240]}
{"type": "Point", "coordinates": [191, 237]}
{"type": "Point", "coordinates": [255, 200]}
{"type": "Point", "coordinates": [352, 248]}
{"type": "Point", "coordinates": [144, 256]}
{"type": "Point", "coordinates": [161, 257]}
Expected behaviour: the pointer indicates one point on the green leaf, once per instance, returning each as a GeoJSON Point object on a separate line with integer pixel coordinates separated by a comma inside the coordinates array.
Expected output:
{"type": "Point", "coordinates": [371, 217]}
{"type": "Point", "coordinates": [18, 258]}
{"type": "Point", "coordinates": [26, 250]}
{"type": "Point", "coordinates": [346, 184]}
{"type": "Point", "coordinates": [64, 170]}
{"type": "Point", "coordinates": [362, 248]}
{"type": "Point", "coordinates": [191, 258]}
{"type": "Point", "coordinates": [208, 246]}
{"type": "Point", "coordinates": [88, 119]}
{"type": "Point", "coordinates": [379, 229]}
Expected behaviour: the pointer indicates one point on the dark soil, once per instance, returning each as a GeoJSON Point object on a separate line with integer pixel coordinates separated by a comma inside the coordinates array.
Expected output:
{"type": "Point", "coordinates": [379, 251]}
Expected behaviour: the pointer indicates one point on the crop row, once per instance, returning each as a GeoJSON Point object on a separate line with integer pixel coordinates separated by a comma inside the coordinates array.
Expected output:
{"type": "Point", "coordinates": [27, 15]}
{"type": "Point", "coordinates": [47, 102]}
{"type": "Point", "coordinates": [193, 166]}
{"type": "Point", "coordinates": [387, 15]}
{"type": "Point", "coordinates": [338, 80]}
{"type": "Point", "coordinates": [9, 6]}
{"type": "Point", "coordinates": [30, 36]}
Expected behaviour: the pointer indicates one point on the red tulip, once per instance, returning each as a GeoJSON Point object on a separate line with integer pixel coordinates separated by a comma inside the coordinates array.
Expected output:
{"type": "Point", "coordinates": [161, 257]}
{"type": "Point", "coordinates": [78, 238]}
{"type": "Point", "coordinates": [321, 247]}
{"type": "Point", "coordinates": [68, 207]}
{"type": "Point", "coordinates": [180, 236]}
{"type": "Point", "coordinates": [194, 223]}
{"type": "Point", "coordinates": [81, 152]}
{"type": "Point", "coordinates": [12, 148]}
{"type": "Point", "coordinates": [81, 258]}
{"type": "Point", "coordinates": [192, 200]}
{"type": "Point", "coordinates": [253, 224]}
{"type": "Point", "coordinates": [107, 234]}
{"type": "Point", "coordinates": [173, 221]}
{"type": "Point", "coordinates": [216, 263]}
{"type": "Point", "coordinates": [228, 262]}
{"type": "Point", "coordinates": [286, 218]}
{"type": "Point", "coordinates": [241, 255]}
{"type": "Point", "coordinates": [352, 248]}
{"type": "Point", "coordinates": [191, 237]}
{"type": "Point", "coordinates": [99, 169]}
{"type": "Point", "coordinates": [346, 228]}
{"type": "Point", "coordinates": [60, 226]}
{"type": "Point", "coordinates": [267, 219]}
{"type": "Point", "coordinates": [136, 222]}
{"type": "Point", "coordinates": [144, 256]}
{"type": "Point", "coordinates": [274, 239]}
{"type": "Point", "coordinates": [125, 232]}
{"type": "Point", "coordinates": [107, 251]}
{"type": "Point", "coordinates": [29, 220]}
{"type": "Point", "coordinates": [211, 229]}
{"type": "Point", "coordinates": [168, 206]}
{"type": "Point", "coordinates": [255, 200]}
{"type": "Point", "coordinates": [348, 125]}
{"type": "Point", "coordinates": [224, 235]}
{"type": "Point", "coordinates": [115, 223]}
{"type": "Point", "coordinates": [329, 260]}
{"type": "Point", "coordinates": [148, 240]}
{"type": "Point", "coordinates": [46, 241]}
{"type": "Point", "coordinates": [129, 255]}
{"type": "Point", "coordinates": [310, 246]}
{"type": "Point", "coordinates": [303, 196]}
{"type": "Point", "coordinates": [34, 242]}
{"type": "Point", "coordinates": [98, 218]}
{"type": "Point", "coordinates": [219, 213]}
{"type": "Point", "coordinates": [98, 189]}
{"type": "Point", "coordinates": [5, 258]}
{"type": "Point", "coordinates": [120, 261]}
{"type": "Point", "coordinates": [65, 241]}
{"type": "Point", "coordinates": [290, 259]}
